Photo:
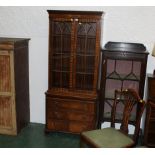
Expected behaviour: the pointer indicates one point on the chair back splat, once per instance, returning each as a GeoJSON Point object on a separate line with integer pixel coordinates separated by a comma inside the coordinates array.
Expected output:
{"type": "Point", "coordinates": [130, 100]}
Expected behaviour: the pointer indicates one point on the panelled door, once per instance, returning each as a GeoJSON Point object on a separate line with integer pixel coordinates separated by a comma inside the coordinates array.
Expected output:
{"type": "Point", "coordinates": [7, 104]}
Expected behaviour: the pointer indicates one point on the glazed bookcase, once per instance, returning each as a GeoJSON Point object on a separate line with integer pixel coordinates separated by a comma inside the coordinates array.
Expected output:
{"type": "Point", "coordinates": [74, 54]}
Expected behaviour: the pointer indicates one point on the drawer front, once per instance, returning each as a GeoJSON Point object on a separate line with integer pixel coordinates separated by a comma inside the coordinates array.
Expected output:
{"type": "Point", "coordinates": [69, 126]}
{"type": "Point", "coordinates": [67, 115]}
{"type": "Point", "coordinates": [70, 115]}
{"type": "Point", "coordinates": [83, 106]}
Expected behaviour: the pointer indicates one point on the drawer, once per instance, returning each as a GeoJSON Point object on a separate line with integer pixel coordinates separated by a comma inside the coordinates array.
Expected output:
{"type": "Point", "coordinates": [68, 104]}
{"type": "Point", "coordinates": [70, 115]}
{"type": "Point", "coordinates": [65, 126]}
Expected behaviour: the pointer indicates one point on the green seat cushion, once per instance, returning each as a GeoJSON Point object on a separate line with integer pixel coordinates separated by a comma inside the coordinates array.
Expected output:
{"type": "Point", "coordinates": [108, 138]}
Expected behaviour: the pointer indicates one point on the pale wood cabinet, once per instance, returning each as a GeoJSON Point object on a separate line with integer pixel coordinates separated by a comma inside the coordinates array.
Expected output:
{"type": "Point", "coordinates": [14, 85]}
{"type": "Point", "coordinates": [74, 54]}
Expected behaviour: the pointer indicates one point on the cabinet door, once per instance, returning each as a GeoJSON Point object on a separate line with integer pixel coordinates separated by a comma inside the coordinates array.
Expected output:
{"type": "Point", "coordinates": [7, 104]}
{"type": "Point", "coordinates": [120, 75]}
{"type": "Point", "coordinates": [60, 55]}
{"type": "Point", "coordinates": [86, 55]}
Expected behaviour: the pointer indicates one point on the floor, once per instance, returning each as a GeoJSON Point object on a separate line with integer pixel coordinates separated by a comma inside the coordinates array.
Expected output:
{"type": "Point", "coordinates": [33, 136]}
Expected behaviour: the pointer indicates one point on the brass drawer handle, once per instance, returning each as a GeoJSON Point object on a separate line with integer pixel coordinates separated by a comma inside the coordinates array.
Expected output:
{"type": "Point", "coordinates": [76, 19]}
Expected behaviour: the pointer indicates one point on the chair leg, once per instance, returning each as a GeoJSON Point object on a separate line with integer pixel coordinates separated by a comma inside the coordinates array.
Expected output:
{"type": "Point", "coordinates": [81, 144]}
{"type": "Point", "coordinates": [140, 137]}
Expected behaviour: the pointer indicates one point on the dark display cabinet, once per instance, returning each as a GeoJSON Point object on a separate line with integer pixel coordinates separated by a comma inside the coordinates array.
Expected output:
{"type": "Point", "coordinates": [74, 54]}
{"type": "Point", "coordinates": [149, 131]}
{"type": "Point", "coordinates": [123, 66]}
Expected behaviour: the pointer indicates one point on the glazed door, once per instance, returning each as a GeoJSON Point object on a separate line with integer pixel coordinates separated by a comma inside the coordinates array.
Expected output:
{"type": "Point", "coordinates": [60, 67]}
{"type": "Point", "coordinates": [120, 75]}
{"type": "Point", "coordinates": [7, 104]}
{"type": "Point", "coordinates": [86, 55]}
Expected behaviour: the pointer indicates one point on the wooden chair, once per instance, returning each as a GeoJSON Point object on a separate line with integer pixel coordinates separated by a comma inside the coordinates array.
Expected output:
{"type": "Point", "coordinates": [112, 137]}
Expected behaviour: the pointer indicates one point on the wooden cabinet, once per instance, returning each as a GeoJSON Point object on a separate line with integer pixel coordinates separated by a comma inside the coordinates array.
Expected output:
{"type": "Point", "coordinates": [123, 66]}
{"type": "Point", "coordinates": [149, 131]}
{"type": "Point", "coordinates": [74, 54]}
{"type": "Point", "coordinates": [14, 85]}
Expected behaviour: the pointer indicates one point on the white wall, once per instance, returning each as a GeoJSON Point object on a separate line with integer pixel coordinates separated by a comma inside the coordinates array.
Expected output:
{"type": "Point", "coordinates": [129, 24]}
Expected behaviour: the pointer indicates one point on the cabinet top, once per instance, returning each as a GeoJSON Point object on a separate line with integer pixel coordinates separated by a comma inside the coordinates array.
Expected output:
{"type": "Point", "coordinates": [12, 40]}
{"type": "Point", "coordinates": [126, 47]}
{"type": "Point", "coordinates": [99, 13]}
{"type": "Point", "coordinates": [9, 43]}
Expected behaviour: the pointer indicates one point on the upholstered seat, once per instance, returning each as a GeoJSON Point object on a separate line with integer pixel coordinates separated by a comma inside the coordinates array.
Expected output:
{"type": "Point", "coordinates": [108, 138]}
{"type": "Point", "coordinates": [112, 137]}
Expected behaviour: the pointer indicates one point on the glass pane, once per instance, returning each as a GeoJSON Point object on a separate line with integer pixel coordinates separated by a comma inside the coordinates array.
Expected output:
{"type": "Point", "coordinates": [131, 84]}
{"type": "Point", "coordinates": [56, 62]}
{"type": "Point", "coordinates": [123, 69]}
{"type": "Point", "coordinates": [90, 64]}
{"type": "Point", "coordinates": [79, 81]}
{"type": "Point", "coordinates": [66, 44]}
{"type": "Point", "coordinates": [111, 86]}
{"type": "Point", "coordinates": [86, 64]}
{"type": "Point", "coordinates": [65, 80]}
{"type": "Point", "coordinates": [80, 45]}
{"type": "Point", "coordinates": [84, 81]}
{"type": "Point", "coordinates": [61, 53]}
{"type": "Point", "coordinates": [56, 44]}
{"type": "Point", "coordinates": [56, 79]}
{"type": "Point", "coordinates": [119, 110]}
{"type": "Point", "coordinates": [91, 46]}
{"type": "Point", "coordinates": [80, 61]}
{"type": "Point", "coordinates": [107, 108]}
{"type": "Point", "coordinates": [89, 82]}
{"type": "Point", "coordinates": [65, 63]}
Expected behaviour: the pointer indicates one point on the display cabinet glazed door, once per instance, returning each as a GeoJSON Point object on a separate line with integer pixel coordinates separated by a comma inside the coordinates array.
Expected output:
{"type": "Point", "coordinates": [120, 75]}
{"type": "Point", "coordinates": [74, 54]}
{"type": "Point", "coordinates": [86, 55]}
{"type": "Point", "coordinates": [61, 56]}
{"type": "Point", "coordinates": [7, 104]}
